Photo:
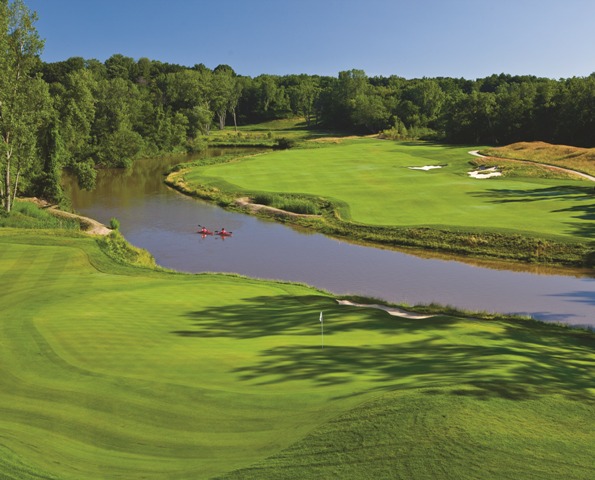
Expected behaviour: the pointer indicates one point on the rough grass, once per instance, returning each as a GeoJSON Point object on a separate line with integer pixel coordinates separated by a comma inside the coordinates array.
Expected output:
{"type": "Point", "coordinates": [264, 134]}
{"type": "Point", "coordinates": [574, 158]}
{"type": "Point", "coordinates": [289, 203]}
{"type": "Point", "coordinates": [514, 168]}
{"type": "Point", "coordinates": [28, 215]}
{"type": "Point", "coordinates": [112, 371]}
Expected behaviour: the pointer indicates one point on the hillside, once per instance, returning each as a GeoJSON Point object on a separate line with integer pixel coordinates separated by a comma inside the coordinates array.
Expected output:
{"type": "Point", "coordinates": [574, 158]}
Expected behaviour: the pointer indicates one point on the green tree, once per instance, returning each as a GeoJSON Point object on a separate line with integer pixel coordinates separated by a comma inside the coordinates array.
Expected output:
{"type": "Point", "coordinates": [221, 94]}
{"type": "Point", "coordinates": [234, 99]}
{"type": "Point", "coordinates": [303, 97]}
{"type": "Point", "coordinates": [189, 93]}
{"type": "Point", "coordinates": [24, 97]}
{"type": "Point", "coordinates": [369, 112]}
{"type": "Point", "coordinates": [118, 107]}
{"type": "Point", "coordinates": [471, 118]}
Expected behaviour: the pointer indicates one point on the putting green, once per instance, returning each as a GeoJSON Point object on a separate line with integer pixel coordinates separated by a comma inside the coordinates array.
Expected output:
{"type": "Point", "coordinates": [373, 178]}
{"type": "Point", "coordinates": [109, 371]}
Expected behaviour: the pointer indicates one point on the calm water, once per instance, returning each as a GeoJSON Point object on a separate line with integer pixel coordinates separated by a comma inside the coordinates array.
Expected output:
{"type": "Point", "coordinates": [164, 222]}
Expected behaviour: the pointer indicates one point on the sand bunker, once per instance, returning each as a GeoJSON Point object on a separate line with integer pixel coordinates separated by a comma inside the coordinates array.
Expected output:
{"type": "Point", "coordinates": [425, 168]}
{"type": "Point", "coordinates": [485, 173]}
{"type": "Point", "coordinates": [396, 312]}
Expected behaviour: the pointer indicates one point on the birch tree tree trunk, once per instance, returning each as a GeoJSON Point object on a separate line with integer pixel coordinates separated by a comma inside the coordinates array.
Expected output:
{"type": "Point", "coordinates": [24, 98]}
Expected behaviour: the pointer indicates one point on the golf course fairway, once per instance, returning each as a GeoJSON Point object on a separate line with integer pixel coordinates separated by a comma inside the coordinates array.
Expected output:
{"type": "Point", "coordinates": [114, 371]}
{"type": "Point", "coordinates": [375, 180]}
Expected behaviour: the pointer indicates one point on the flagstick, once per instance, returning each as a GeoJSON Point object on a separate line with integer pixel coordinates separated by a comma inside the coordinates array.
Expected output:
{"type": "Point", "coordinates": [321, 331]}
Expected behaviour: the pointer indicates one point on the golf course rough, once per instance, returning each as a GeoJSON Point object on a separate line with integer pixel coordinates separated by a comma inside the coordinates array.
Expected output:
{"type": "Point", "coordinates": [115, 371]}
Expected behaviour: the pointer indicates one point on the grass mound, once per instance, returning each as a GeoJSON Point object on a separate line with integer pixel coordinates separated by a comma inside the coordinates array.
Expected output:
{"type": "Point", "coordinates": [465, 433]}
{"type": "Point", "coordinates": [574, 158]}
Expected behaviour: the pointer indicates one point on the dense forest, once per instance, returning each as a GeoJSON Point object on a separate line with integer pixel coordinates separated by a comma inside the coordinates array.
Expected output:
{"type": "Point", "coordinates": [84, 113]}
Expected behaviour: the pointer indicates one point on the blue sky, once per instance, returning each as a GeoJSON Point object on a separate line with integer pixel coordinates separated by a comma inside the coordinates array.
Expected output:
{"type": "Point", "coordinates": [413, 38]}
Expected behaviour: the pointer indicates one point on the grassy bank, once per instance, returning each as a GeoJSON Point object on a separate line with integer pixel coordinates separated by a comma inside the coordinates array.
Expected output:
{"type": "Point", "coordinates": [574, 158]}
{"type": "Point", "coordinates": [366, 190]}
{"type": "Point", "coordinates": [27, 215]}
{"type": "Point", "coordinates": [115, 371]}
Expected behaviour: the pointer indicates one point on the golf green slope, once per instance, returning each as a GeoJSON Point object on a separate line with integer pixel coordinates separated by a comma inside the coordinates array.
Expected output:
{"type": "Point", "coordinates": [113, 371]}
{"type": "Point", "coordinates": [374, 179]}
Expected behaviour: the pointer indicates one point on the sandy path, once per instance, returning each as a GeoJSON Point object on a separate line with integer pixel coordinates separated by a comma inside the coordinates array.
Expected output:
{"type": "Point", "coordinates": [476, 153]}
{"type": "Point", "coordinates": [88, 225]}
{"type": "Point", "coordinates": [395, 312]}
{"type": "Point", "coordinates": [255, 207]}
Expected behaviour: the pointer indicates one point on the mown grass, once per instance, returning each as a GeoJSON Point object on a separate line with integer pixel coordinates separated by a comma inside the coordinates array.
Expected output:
{"type": "Point", "coordinates": [428, 434]}
{"type": "Point", "coordinates": [574, 158]}
{"type": "Point", "coordinates": [368, 193]}
{"type": "Point", "coordinates": [114, 371]}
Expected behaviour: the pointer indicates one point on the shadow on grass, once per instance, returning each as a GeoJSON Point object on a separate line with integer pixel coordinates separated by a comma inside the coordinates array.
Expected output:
{"type": "Point", "coordinates": [517, 360]}
{"type": "Point", "coordinates": [583, 211]}
{"type": "Point", "coordinates": [287, 315]}
{"type": "Point", "coordinates": [563, 192]}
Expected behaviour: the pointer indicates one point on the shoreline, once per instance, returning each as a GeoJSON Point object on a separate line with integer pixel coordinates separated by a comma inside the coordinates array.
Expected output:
{"type": "Point", "coordinates": [412, 312]}
{"type": "Point", "coordinates": [89, 225]}
{"type": "Point", "coordinates": [471, 243]}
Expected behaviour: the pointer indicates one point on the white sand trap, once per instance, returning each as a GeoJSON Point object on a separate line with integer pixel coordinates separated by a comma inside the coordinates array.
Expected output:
{"type": "Point", "coordinates": [395, 312]}
{"type": "Point", "coordinates": [425, 168]}
{"type": "Point", "coordinates": [486, 173]}
{"type": "Point", "coordinates": [476, 153]}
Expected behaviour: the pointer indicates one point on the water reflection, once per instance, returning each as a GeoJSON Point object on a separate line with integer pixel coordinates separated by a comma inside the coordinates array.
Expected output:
{"type": "Point", "coordinates": [165, 222]}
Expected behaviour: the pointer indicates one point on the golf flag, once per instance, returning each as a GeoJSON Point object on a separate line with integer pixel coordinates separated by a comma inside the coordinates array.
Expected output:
{"type": "Point", "coordinates": [321, 331]}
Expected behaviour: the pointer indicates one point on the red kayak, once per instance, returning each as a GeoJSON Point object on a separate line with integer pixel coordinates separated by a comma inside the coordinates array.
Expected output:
{"type": "Point", "coordinates": [204, 231]}
{"type": "Point", "coordinates": [223, 234]}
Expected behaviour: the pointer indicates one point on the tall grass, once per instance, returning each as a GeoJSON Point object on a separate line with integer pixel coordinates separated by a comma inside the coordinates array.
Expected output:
{"type": "Point", "coordinates": [116, 246]}
{"type": "Point", "coordinates": [289, 203]}
{"type": "Point", "coordinates": [29, 215]}
{"type": "Point", "coordinates": [574, 158]}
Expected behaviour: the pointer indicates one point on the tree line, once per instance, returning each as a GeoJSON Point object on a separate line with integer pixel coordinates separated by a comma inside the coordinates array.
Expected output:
{"type": "Point", "coordinates": [82, 113]}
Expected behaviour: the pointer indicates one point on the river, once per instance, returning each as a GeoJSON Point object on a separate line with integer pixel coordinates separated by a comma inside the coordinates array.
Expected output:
{"type": "Point", "coordinates": [164, 222]}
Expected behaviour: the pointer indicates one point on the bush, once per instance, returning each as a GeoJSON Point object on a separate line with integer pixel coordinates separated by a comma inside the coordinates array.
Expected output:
{"type": "Point", "coordinates": [114, 223]}
{"type": "Point", "coordinates": [116, 247]}
{"type": "Point", "coordinates": [196, 145]}
{"type": "Point", "coordinates": [284, 143]}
